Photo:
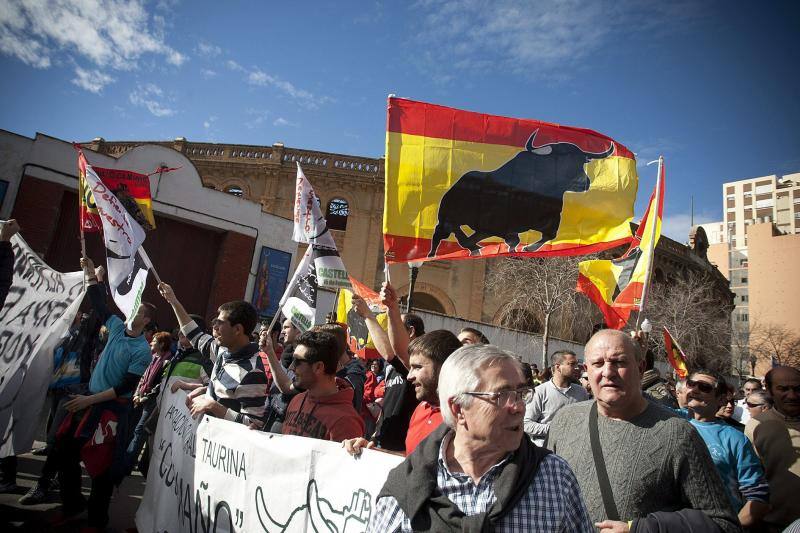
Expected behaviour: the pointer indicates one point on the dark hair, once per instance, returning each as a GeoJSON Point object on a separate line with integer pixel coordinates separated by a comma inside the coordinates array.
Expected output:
{"type": "Point", "coordinates": [321, 347]}
{"type": "Point", "coordinates": [558, 356]}
{"type": "Point", "coordinates": [163, 341]}
{"type": "Point", "coordinates": [477, 333]}
{"type": "Point", "coordinates": [528, 373]}
{"type": "Point", "coordinates": [436, 345]}
{"type": "Point", "coordinates": [335, 329]}
{"type": "Point", "coordinates": [768, 375]}
{"type": "Point", "coordinates": [752, 380]}
{"type": "Point", "coordinates": [241, 312]}
{"type": "Point", "coordinates": [149, 311]}
{"type": "Point", "coordinates": [722, 386]}
{"type": "Point", "coordinates": [414, 321]}
{"type": "Point", "coordinates": [200, 321]}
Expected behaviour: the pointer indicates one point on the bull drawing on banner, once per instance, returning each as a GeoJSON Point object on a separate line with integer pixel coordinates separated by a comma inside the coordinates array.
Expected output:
{"type": "Point", "coordinates": [525, 193]}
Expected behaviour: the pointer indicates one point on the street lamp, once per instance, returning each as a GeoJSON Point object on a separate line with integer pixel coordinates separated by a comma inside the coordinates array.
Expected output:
{"type": "Point", "coordinates": [413, 270]}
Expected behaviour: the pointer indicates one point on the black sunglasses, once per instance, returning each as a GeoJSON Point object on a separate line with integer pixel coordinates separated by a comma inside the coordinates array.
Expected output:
{"type": "Point", "coordinates": [751, 405]}
{"type": "Point", "coordinates": [702, 386]}
{"type": "Point", "coordinates": [297, 360]}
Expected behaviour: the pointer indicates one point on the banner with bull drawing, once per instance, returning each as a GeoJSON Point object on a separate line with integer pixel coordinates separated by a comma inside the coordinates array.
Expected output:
{"type": "Point", "coordinates": [462, 184]}
{"type": "Point", "coordinates": [217, 475]}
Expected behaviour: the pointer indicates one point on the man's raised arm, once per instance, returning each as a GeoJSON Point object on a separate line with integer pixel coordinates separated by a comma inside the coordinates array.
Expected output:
{"type": "Point", "coordinates": [204, 343]}
{"type": "Point", "coordinates": [398, 336]}
{"type": "Point", "coordinates": [378, 335]}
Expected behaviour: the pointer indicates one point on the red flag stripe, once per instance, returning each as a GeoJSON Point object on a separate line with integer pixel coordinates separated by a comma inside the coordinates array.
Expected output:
{"type": "Point", "coordinates": [616, 318]}
{"type": "Point", "coordinates": [431, 120]}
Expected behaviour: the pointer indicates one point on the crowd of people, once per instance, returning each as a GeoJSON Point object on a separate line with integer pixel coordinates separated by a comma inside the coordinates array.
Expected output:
{"type": "Point", "coordinates": [489, 442]}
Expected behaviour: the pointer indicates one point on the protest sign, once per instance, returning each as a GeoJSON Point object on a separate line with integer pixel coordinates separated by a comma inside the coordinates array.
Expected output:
{"type": "Point", "coordinates": [39, 309]}
{"type": "Point", "coordinates": [217, 475]}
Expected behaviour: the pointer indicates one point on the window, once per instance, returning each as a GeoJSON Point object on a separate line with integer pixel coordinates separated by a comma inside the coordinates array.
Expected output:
{"type": "Point", "coordinates": [744, 298]}
{"type": "Point", "coordinates": [235, 190]}
{"type": "Point", "coordinates": [743, 263]}
{"type": "Point", "coordinates": [337, 213]}
{"type": "Point", "coordinates": [744, 279]}
{"type": "Point", "coordinates": [760, 204]}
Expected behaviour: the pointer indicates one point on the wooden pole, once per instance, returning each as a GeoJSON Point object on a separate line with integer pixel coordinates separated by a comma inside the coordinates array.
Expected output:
{"type": "Point", "coordinates": [650, 259]}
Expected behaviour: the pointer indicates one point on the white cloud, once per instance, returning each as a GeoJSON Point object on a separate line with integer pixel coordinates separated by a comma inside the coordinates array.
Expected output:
{"type": "Point", "coordinates": [151, 97]}
{"type": "Point", "coordinates": [530, 37]}
{"type": "Point", "coordinates": [93, 81]}
{"type": "Point", "coordinates": [207, 49]}
{"type": "Point", "coordinates": [208, 123]}
{"type": "Point", "coordinates": [676, 226]}
{"type": "Point", "coordinates": [280, 121]}
{"type": "Point", "coordinates": [208, 73]}
{"type": "Point", "coordinates": [256, 118]}
{"type": "Point", "coordinates": [258, 78]}
{"type": "Point", "coordinates": [108, 33]}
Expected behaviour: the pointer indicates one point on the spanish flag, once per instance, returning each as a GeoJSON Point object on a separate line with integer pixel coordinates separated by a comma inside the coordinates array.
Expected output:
{"type": "Point", "coordinates": [675, 355]}
{"type": "Point", "coordinates": [360, 341]}
{"type": "Point", "coordinates": [462, 184]}
{"type": "Point", "coordinates": [130, 188]}
{"type": "Point", "coordinates": [618, 286]}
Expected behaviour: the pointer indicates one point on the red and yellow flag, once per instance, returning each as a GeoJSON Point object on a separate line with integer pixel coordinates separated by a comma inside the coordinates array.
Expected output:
{"type": "Point", "coordinates": [360, 341]}
{"type": "Point", "coordinates": [130, 188]}
{"type": "Point", "coordinates": [617, 286]}
{"type": "Point", "coordinates": [675, 355]}
{"type": "Point", "coordinates": [461, 184]}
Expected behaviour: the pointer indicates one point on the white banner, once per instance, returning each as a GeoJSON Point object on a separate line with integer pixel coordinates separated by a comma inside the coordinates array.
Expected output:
{"type": "Point", "coordinates": [218, 476]}
{"type": "Point", "coordinates": [310, 226]}
{"type": "Point", "coordinates": [122, 235]}
{"type": "Point", "coordinates": [39, 309]}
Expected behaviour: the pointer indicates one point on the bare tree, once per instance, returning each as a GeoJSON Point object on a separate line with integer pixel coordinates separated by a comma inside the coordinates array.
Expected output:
{"type": "Point", "coordinates": [539, 293]}
{"type": "Point", "coordinates": [770, 341]}
{"type": "Point", "coordinates": [698, 317]}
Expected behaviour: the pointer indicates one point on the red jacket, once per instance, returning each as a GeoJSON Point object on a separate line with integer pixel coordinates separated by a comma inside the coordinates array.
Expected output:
{"type": "Point", "coordinates": [329, 418]}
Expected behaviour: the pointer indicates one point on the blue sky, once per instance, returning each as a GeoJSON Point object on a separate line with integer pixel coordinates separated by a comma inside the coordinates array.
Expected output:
{"type": "Point", "coordinates": [713, 86]}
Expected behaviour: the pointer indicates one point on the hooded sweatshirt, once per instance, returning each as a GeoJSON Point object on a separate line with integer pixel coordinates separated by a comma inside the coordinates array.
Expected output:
{"type": "Point", "coordinates": [328, 418]}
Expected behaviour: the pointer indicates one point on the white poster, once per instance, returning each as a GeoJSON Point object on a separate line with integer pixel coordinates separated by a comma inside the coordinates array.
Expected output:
{"type": "Point", "coordinates": [39, 309]}
{"type": "Point", "coordinates": [217, 475]}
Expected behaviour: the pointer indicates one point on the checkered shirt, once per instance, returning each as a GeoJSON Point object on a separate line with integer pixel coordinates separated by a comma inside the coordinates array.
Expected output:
{"type": "Point", "coordinates": [553, 501]}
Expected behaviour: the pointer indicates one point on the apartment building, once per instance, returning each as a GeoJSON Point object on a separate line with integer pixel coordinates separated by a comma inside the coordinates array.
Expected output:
{"type": "Point", "coordinates": [768, 200]}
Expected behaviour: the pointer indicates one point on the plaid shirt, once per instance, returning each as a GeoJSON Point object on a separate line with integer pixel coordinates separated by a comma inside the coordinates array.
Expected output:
{"type": "Point", "coordinates": [553, 501]}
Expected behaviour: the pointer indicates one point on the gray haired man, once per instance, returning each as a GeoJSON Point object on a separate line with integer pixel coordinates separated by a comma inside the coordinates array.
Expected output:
{"type": "Point", "coordinates": [477, 472]}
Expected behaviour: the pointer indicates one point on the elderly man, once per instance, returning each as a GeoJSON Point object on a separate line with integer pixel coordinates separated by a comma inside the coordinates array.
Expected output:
{"type": "Point", "coordinates": [775, 435]}
{"type": "Point", "coordinates": [740, 412]}
{"type": "Point", "coordinates": [640, 467]}
{"type": "Point", "coordinates": [477, 472]}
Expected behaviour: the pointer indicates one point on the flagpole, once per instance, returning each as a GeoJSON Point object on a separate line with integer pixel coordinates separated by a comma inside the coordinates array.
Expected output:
{"type": "Point", "coordinates": [335, 309]}
{"type": "Point", "coordinates": [651, 255]}
{"type": "Point", "coordinates": [149, 263]}
{"type": "Point", "coordinates": [289, 288]}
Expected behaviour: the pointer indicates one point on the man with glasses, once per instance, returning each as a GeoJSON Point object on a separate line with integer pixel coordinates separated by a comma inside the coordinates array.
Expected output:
{"type": "Point", "coordinates": [477, 471]}
{"type": "Point", "coordinates": [758, 402]}
{"type": "Point", "coordinates": [325, 409]}
{"type": "Point", "coordinates": [775, 435]}
{"type": "Point", "coordinates": [552, 395]}
{"type": "Point", "coordinates": [639, 465]}
{"type": "Point", "coordinates": [730, 450]}
{"type": "Point", "coordinates": [237, 389]}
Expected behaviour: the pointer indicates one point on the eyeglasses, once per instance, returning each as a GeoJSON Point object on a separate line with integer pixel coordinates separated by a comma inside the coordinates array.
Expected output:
{"type": "Point", "coordinates": [217, 322]}
{"type": "Point", "coordinates": [297, 360]}
{"type": "Point", "coordinates": [751, 405]}
{"type": "Point", "coordinates": [506, 397]}
{"type": "Point", "coordinates": [702, 386]}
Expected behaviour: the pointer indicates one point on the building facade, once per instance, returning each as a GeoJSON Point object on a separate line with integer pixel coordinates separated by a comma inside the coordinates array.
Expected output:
{"type": "Point", "coordinates": [761, 226]}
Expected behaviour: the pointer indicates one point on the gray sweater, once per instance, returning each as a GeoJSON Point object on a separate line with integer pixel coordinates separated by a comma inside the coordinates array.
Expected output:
{"type": "Point", "coordinates": [547, 400]}
{"type": "Point", "coordinates": [655, 462]}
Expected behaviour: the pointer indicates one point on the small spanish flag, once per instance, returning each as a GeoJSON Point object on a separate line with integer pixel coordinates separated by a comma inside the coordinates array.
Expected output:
{"type": "Point", "coordinates": [360, 341]}
{"type": "Point", "coordinates": [130, 188]}
{"type": "Point", "coordinates": [618, 286]}
{"type": "Point", "coordinates": [675, 355]}
{"type": "Point", "coordinates": [461, 184]}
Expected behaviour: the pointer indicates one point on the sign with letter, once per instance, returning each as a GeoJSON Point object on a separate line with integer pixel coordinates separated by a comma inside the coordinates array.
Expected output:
{"type": "Point", "coordinates": [216, 475]}
{"type": "Point", "coordinates": [39, 309]}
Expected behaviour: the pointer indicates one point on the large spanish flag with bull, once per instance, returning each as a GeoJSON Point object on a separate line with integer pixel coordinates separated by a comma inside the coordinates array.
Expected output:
{"type": "Point", "coordinates": [461, 184]}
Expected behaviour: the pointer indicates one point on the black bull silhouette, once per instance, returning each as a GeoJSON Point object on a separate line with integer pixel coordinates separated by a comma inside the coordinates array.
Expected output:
{"type": "Point", "coordinates": [526, 193]}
